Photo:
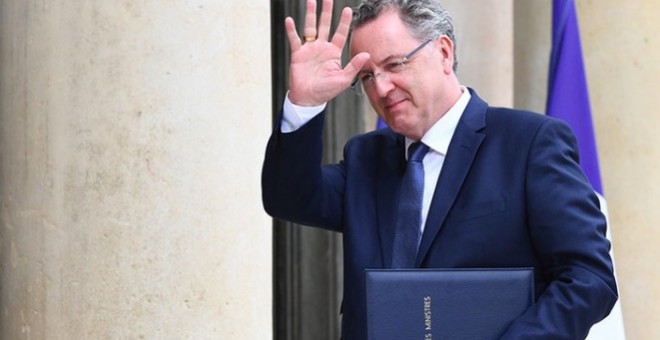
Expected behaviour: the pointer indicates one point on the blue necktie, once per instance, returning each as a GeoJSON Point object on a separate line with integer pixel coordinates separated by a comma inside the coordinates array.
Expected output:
{"type": "Point", "coordinates": [409, 220]}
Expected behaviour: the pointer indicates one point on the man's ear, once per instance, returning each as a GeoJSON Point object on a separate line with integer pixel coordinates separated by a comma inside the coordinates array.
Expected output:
{"type": "Point", "coordinates": [445, 47]}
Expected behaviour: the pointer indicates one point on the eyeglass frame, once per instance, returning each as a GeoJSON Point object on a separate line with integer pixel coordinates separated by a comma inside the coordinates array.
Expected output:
{"type": "Point", "coordinates": [358, 83]}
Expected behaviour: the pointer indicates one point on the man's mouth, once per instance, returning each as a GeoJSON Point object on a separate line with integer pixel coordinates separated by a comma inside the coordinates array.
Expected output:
{"type": "Point", "coordinates": [390, 105]}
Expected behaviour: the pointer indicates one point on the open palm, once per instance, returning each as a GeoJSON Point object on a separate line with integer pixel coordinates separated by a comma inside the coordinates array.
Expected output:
{"type": "Point", "coordinates": [316, 74]}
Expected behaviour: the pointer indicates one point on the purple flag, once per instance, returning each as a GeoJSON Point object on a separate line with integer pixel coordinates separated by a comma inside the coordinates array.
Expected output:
{"type": "Point", "coordinates": [568, 97]}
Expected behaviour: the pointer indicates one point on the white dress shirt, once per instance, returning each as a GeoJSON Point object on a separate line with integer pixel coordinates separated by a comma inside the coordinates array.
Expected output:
{"type": "Point", "coordinates": [437, 138]}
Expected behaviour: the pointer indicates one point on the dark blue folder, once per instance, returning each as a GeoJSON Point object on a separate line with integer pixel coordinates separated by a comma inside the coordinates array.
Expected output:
{"type": "Point", "coordinates": [434, 304]}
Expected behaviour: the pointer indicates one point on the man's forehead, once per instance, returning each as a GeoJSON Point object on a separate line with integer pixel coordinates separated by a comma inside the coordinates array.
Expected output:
{"type": "Point", "coordinates": [380, 36]}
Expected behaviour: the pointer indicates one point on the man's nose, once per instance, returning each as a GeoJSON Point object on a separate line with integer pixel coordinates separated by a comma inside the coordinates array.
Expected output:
{"type": "Point", "coordinates": [383, 84]}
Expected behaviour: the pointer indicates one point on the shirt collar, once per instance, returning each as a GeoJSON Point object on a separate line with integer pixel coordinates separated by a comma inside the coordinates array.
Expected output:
{"type": "Point", "coordinates": [440, 134]}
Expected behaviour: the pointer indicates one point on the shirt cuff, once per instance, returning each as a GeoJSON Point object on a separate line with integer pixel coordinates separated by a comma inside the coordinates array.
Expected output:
{"type": "Point", "coordinates": [295, 116]}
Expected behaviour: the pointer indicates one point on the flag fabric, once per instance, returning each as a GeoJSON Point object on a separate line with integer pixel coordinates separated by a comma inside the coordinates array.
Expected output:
{"type": "Point", "coordinates": [568, 99]}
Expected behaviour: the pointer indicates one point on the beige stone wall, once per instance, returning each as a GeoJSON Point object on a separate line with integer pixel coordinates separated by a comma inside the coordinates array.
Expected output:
{"type": "Point", "coordinates": [622, 50]}
{"type": "Point", "coordinates": [532, 45]}
{"type": "Point", "coordinates": [484, 35]}
{"type": "Point", "coordinates": [131, 138]}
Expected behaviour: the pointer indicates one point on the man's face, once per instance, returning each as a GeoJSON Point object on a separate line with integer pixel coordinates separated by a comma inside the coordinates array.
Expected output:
{"type": "Point", "coordinates": [412, 100]}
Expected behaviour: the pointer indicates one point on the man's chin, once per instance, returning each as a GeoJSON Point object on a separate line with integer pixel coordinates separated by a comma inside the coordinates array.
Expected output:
{"type": "Point", "coordinates": [399, 127]}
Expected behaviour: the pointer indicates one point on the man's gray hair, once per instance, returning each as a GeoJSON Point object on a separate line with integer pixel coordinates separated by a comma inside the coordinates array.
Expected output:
{"type": "Point", "coordinates": [426, 19]}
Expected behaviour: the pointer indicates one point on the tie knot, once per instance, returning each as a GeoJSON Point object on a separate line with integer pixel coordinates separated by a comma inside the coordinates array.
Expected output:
{"type": "Point", "coordinates": [417, 151]}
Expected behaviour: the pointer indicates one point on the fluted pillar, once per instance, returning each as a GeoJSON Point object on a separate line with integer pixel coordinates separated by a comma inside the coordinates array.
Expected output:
{"type": "Point", "coordinates": [131, 138]}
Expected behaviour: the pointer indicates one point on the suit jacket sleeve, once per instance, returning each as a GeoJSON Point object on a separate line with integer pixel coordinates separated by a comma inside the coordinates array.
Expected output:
{"type": "Point", "coordinates": [295, 186]}
{"type": "Point", "coordinates": [567, 231]}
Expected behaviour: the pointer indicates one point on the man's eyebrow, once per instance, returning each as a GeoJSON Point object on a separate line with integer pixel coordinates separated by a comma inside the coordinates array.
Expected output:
{"type": "Point", "coordinates": [390, 58]}
{"type": "Point", "coordinates": [382, 62]}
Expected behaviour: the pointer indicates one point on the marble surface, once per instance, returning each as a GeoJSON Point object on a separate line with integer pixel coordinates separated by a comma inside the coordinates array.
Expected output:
{"type": "Point", "coordinates": [131, 141]}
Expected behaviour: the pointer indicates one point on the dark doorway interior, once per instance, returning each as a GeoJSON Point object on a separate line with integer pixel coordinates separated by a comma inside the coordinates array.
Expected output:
{"type": "Point", "coordinates": [307, 278]}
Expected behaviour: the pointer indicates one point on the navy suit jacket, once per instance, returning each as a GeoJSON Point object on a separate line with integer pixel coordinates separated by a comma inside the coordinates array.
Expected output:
{"type": "Point", "coordinates": [511, 194]}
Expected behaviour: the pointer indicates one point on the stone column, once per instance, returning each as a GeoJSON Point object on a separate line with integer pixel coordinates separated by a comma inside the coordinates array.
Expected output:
{"type": "Point", "coordinates": [131, 141]}
{"type": "Point", "coordinates": [622, 50]}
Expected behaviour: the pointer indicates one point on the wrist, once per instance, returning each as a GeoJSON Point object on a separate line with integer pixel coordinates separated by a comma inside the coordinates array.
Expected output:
{"type": "Point", "coordinates": [303, 101]}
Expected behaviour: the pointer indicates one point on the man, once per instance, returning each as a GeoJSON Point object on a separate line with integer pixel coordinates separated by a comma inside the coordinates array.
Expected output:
{"type": "Point", "coordinates": [502, 188]}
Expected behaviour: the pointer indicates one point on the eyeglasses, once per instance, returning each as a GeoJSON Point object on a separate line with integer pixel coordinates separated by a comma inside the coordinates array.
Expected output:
{"type": "Point", "coordinates": [367, 80]}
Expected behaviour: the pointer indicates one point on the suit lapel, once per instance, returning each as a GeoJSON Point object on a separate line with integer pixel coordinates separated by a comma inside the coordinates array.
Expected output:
{"type": "Point", "coordinates": [392, 165]}
{"type": "Point", "coordinates": [461, 153]}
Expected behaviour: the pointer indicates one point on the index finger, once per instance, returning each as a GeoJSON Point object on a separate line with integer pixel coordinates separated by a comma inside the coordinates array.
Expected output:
{"type": "Point", "coordinates": [292, 34]}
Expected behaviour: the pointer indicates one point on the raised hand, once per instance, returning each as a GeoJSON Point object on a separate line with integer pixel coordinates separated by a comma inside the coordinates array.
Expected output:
{"type": "Point", "coordinates": [316, 74]}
